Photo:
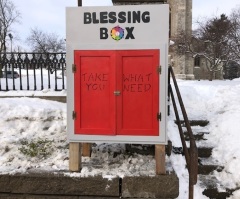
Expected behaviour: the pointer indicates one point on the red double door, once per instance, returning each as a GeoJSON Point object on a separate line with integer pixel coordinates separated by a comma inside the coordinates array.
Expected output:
{"type": "Point", "coordinates": [116, 92]}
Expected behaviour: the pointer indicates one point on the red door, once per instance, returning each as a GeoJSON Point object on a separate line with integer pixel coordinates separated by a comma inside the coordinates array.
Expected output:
{"type": "Point", "coordinates": [94, 84]}
{"type": "Point", "coordinates": [117, 92]}
{"type": "Point", "coordinates": [138, 105]}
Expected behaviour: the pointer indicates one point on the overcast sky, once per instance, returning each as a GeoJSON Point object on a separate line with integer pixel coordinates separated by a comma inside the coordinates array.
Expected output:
{"type": "Point", "coordinates": [49, 15]}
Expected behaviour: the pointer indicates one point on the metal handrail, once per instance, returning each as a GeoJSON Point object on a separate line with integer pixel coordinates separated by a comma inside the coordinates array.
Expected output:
{"type": "Point", "coordinates": [191, 154]}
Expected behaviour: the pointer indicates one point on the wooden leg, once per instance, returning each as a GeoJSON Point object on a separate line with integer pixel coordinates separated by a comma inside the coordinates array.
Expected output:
{"type": "Point", "coordinates": [86, 149]}
{"type": "Point", "coordinates": [160, 159]}
{"type": "Point", "coordinates": [75, 156]}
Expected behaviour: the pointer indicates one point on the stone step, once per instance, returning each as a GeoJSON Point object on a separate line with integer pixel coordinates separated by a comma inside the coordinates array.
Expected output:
{"type": "Point", "coordinates": [58, 184]}
{"type": "Point", "coordinates": [161, 186]}
{"type": "Point", "coordinates": [203, 152]}
{"type": "Point", "coordinates": [146, 149]}
{"type": "Point", "coordinates": [197, 135]}
{"type": "Point", "coordinates": [143, 149]}
{"type": "Point", "coordinates": [201, 123]}
{"type": "Point", "coordinates": [211, 185]}
{"type": "Point", "coordinates": [23, 196]}
{"type": "Point", "coordinates": [215, 194]}
{"type": "Point", "coordinates": [203, 168]}
{"type": "Point", "coordinates": [208, 169]}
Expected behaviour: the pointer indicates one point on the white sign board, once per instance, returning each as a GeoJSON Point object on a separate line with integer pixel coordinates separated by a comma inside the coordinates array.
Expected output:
{"type": "Point", "coordinates": [118, 25]}
{"type": "Point", "coordinates": [118, 28]}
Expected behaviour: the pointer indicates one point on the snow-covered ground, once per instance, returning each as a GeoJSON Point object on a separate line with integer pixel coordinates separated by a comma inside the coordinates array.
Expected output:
{"type": "Point", "coordinates": [47, 78]}
{"type": "Point", "coordinates": [218, 102]}
{"type": "Point", "coordinates": [28, 122]}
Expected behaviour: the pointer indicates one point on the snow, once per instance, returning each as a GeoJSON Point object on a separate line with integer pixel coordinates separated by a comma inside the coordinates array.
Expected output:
{"type": "Point", "coordinates": [46, 75]}
{"type": "Point", "coordinates": [24, 119]}
{"type": "Point", "coordinates": [218, 102]}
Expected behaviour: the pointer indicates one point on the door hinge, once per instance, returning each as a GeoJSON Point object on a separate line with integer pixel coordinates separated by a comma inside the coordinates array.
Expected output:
{"type": "Point", "coordinates": [159, 116]}
{"type": "Point", "coordinates": [74, 115]}
{"type": "Point", "coordinates": [74, 68]}
{"type": "Point", "coordinates": [159, 69]}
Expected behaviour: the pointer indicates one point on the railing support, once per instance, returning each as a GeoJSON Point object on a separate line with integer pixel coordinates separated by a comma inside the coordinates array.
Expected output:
{"type": "Point", "coordinates": [191, 155]}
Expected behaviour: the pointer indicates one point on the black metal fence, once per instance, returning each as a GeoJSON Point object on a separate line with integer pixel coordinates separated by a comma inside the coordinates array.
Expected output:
{"type": "Point", "coordinates": [32, 71]}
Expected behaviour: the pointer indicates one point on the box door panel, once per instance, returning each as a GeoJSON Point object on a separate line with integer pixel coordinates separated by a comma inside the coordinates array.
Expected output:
{"type": "Point", "coordinates": [138, 105]}
{"type": "Point", "coordinates": [94, 87]}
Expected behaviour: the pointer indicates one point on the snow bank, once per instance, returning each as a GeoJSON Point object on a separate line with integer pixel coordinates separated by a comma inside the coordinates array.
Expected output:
{"type": "Point", "coordinates": [29, 119]}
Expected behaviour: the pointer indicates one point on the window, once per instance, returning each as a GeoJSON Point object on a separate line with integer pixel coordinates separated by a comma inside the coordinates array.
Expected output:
{"type": "Point", "coordinates": [197, 61]}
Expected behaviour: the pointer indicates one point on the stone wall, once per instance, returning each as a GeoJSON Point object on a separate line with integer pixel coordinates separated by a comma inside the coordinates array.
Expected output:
{"type": "Point", "coordinates": [181, 21]}
{"type": "Point", "coordinates": [58, 185]}
{"type": "Point", "coordinates": [202, 72]}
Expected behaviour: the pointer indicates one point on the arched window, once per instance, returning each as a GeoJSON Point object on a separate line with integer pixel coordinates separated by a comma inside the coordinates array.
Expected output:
{"type": "Point", "coordinates": [197, 61]}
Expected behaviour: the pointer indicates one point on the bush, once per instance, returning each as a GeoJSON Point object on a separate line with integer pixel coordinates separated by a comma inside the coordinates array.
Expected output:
{"type": "Point", "coordinates": [40, 148]}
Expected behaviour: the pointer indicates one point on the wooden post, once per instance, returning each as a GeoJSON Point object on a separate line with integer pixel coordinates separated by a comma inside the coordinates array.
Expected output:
{"type": "Point", "coordinates": [86, 149]}
{"type": "Point", "coordinates": [160, 159]}
{"type": "Point", "coordinates": [79, 3]}
{"type": "Point", "coordinates": [75, 156]}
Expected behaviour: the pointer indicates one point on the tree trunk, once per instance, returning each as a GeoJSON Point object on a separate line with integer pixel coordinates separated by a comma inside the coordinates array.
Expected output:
{"type": "Point", "coordinates": [1, 64]}
{"type": "Point", "coordinates": [211, 75]}
{"type": "Point", "coordinates": [0, 69]}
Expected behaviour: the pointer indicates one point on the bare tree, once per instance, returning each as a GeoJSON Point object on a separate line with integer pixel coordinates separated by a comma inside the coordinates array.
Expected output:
{"type": "Point", "coordinates": [8, 16]}
{"type": "Point", "coordinates": [45, 42]}
{"type": "Point", "coordinates": [235, 34]}
{"type": "Point", "coordinates": [209, 41]}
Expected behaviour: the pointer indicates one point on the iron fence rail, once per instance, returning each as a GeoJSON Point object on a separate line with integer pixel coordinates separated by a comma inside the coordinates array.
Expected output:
{"type": "Point", "coordinates": [32, 71]}
{"type": "Point", "coordinates": [191, 154]}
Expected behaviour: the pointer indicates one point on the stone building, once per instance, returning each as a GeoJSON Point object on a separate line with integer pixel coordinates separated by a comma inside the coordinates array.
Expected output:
{"type": "Point", "coordinates": [201, 70]}
{"type": "Point", "coordinates": [180, 20]}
